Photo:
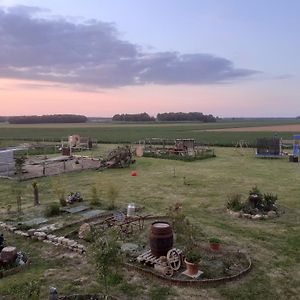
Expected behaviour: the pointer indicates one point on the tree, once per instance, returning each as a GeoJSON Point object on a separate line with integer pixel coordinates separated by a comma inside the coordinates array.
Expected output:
{"type": "Point", "coordinates": [35, 193]}
{"type": "Point", "coordinates": [19, 165]}
{"type": "Point", "coordinates": [106, 255]}
{"type": "Point", "coordinates": [112, 195]}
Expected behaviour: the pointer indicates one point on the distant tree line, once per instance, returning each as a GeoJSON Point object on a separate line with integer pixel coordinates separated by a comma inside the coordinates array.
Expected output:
{"type": "Point", "coordinates": [165, 117]}
{"type": "Point", "coordinates": [191, 116]}
{"type": "Point", "coordinates": [66, 118]}
{"type": "Point", "coordinates": [3, 119]}
{"type": "Point", "coordinates": [143, 117]}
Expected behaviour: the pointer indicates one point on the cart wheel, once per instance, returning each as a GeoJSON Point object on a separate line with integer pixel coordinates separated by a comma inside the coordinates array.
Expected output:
{"type": "Point", "coordinates": [174, 259]}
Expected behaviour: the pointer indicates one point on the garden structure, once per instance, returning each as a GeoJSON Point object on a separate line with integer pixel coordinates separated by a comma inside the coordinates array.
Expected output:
{"type": "Point", "coordinates": [182, 149]}
{"type": "Point", "coordinates": [269, 148]}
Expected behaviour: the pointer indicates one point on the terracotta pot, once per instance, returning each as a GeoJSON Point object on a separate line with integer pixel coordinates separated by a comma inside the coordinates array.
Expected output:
{"type": "Point", "coordinates": [214, 246]}
{"type": "Point", "coordinates": [192, 268]}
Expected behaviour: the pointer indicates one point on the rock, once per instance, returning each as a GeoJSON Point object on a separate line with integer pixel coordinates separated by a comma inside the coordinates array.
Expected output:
{"type": "Point", "coordinates": [31, 231]}
{"type": "Point", "coordinates": [40, 235]}
{"type": "Point", "coordinates": [60, 239]}
{"type": "Point", "coordinates": [248, 216]}
{"type": "Point", "coordinates": [129, 248]}
{"type": "Point", "coordinates": [84, 230]}
{"type": "Point", "coordinates": [70, 243]}
{"type": "Point", "coordinates": [272, 214]}
{"type": "Point", "coordinates": [236, 214]}
{"type": "Point", "coordinates": [257, 217]}
{"type": "Point", "coordinates": [8, 254]}
{"type": "Point", "coordinates": [18, 232]}
{"type": "Point", "coordinates": [65, 241]}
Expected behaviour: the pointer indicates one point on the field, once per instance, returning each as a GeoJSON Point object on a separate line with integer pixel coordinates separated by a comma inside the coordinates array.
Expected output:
{"type": "Point", "coordinates": [272, 244]}
{"type": "Point", "coordinates": [130, 133]}
{"type": "Point", "coordinates": [269, 128]}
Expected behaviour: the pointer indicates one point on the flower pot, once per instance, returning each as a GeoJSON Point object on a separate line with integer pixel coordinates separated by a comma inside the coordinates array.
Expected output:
{"type": "Point", "coordinates": [192, 268]}
{"type": "Point", "coordinates": [214, 246]}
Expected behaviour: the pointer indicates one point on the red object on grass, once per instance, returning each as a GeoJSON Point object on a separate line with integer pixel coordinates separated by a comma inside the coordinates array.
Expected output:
{"type": "Point", "coordinates": [214, 246]}
{"type": "Point", "coordinates": [133, 173]}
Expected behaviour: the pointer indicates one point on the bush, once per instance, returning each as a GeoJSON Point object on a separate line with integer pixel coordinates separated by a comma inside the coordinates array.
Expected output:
{"type": "Point", "coordinates": [94, 196]}
{"type": "Point", "coordinates": [256, 203]}
{"type": "Point", "coordinates": [214, 240]}
{"type": "Point", "coordinates": [255, 199]}
{"type": "Point", "coordinates": [62, 201]}
{"type": "Point", "coordinates": [52, 210]}
{"type": "Point", "coordinates": [193, 256]}
{"type": "Point", "coordinates": [269, 201]}
{"type": "Point", "coordinates": [234, 202]}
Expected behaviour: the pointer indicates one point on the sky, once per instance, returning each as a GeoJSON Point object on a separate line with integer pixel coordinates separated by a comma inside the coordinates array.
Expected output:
{"type": "Point", "coordinates": [230, 58]}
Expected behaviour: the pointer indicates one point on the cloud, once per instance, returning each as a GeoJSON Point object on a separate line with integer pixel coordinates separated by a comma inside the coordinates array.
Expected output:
{"type": "Point", "coordinates": [92, 53]}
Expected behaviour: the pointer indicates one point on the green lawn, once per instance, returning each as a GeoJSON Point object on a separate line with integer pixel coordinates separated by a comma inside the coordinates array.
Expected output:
{"type": "Point", "coordinates": [272, 244]}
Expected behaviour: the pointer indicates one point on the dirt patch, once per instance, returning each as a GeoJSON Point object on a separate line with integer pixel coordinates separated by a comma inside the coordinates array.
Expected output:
{"type": "Point", "coordinates": [273, 128]}
{"type": "Point", "coordinates": [39, 167]}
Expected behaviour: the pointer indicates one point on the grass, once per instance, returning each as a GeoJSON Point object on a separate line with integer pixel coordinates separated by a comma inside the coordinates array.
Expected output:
{"type": "Point", "coordinates": [132, 132]}
{"type": "Point", "coordinates": [273, 244]}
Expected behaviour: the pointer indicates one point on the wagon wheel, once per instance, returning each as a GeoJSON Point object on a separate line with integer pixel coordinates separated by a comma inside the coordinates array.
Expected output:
{"type": "Point", "coordinates": [174, 259]}
{"type": "Point", "coordinates": [168, 271]}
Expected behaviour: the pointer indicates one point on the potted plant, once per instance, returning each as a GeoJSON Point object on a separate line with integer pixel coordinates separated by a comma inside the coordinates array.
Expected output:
{"type": "Point", "coordinates": [192, 259]}
{"type": "Point", "coordinates": [214, 243]}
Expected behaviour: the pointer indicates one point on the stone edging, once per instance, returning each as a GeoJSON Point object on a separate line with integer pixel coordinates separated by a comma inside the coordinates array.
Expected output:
{"type": "Point", "coordinates": [192, 283]}
{"type": "Point", "coordinates": [46, 238]}
{"type": "Point", "coordinates": [240, 214]}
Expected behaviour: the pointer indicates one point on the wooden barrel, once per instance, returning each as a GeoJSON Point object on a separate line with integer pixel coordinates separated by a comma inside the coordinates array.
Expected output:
{"type": "Point", "coordinates": [161, 238]}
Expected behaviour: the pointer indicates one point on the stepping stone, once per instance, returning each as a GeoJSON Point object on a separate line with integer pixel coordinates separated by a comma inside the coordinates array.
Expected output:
{"type": "Point", "coordinates": [35, 221]}
{"type": "Point", "coordinates": [75, 209]}
{"type": "Point", "coordinates": [92, 213]}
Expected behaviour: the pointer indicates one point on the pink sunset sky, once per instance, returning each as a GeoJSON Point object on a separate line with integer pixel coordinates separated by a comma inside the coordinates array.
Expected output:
{"type": "Point", "coordinates": [225, 60]}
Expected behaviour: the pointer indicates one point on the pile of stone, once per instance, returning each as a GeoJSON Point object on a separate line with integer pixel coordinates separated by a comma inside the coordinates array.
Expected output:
{"type": "Point", "coordinates": [57, 241]}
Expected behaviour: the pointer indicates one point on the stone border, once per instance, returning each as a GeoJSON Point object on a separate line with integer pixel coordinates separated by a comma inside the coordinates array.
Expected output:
{"type": "Point", "coordinates": [46, 238]}
{"type": "Point", "coordinates": [189, 282]}
{"type": "Point", "coordinates": [239, 214]}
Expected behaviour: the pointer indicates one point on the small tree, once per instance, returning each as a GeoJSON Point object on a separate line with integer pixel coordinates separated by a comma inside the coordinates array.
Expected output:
{"type": "Point", "coordinates": [94, 196]}
{"type": "Point", "coordinates": [19, 165]}
{"type": "Point", "coordinates": [112, 195]}
{"type": "Point", "coordinates": [18, 192]}
{"type": "Point", "coordinates": [35, 193]}
{"type": "Point", "coordinates": [106, 255]}
{"type": "Point", "coordinates": [59, 190]}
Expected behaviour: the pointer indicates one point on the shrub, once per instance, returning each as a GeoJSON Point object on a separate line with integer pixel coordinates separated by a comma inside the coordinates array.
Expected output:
{"type": "Point", "coordinates": [255, 199]}
{"type": "Point", "coordinates": [112, 194]}
{"type": "Point", "coordinates": [269, 201]}
{"type": "Point", "coordinates": [62, 201]}
{"type": "Point", "coordinates": [94, 196]}
{"type": "Point", "coordinates": [52, 210]}
{"type": "Point", "coordinates": [214, 240]}
{"type": "Point", "coordinates": [234, 202]}
{"type": "Point", "coordinates": [193, 256]}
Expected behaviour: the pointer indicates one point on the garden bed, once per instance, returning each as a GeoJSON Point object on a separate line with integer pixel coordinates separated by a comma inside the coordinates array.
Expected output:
{"type": "Point", "coordinates": [217, 267]}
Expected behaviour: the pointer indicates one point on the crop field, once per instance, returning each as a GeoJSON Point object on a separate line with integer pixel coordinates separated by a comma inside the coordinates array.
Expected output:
{"type": "Point", "coordinates": [130, 133]}
{"type": "Point", "coordinates": [202, 188]}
